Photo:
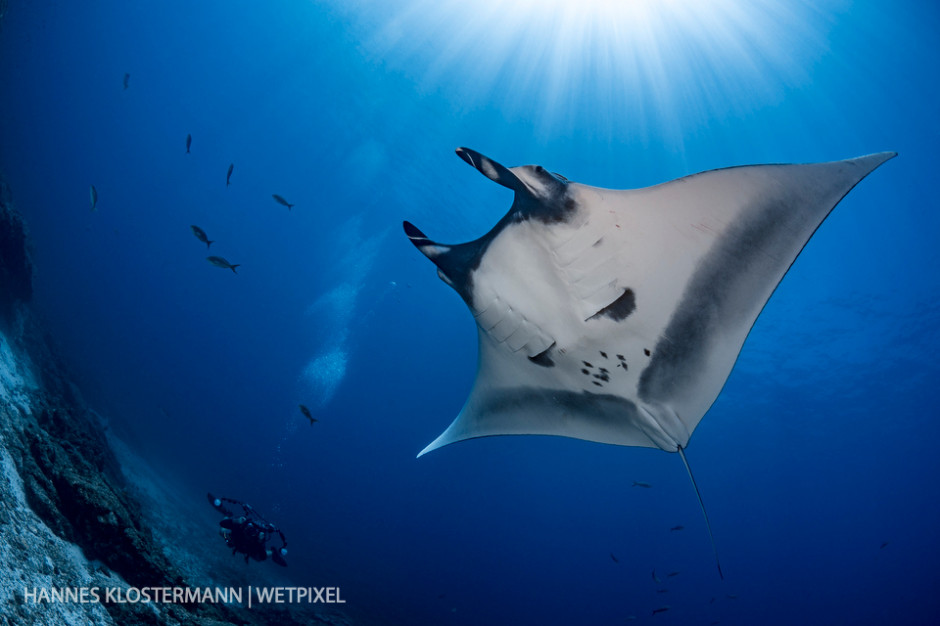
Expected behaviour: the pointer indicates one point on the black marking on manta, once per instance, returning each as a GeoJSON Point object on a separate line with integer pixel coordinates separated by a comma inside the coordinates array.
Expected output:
{"type": "Point", "coordinates": [542, 359]}
{"type": "Point", "coordinates": [618, 310]}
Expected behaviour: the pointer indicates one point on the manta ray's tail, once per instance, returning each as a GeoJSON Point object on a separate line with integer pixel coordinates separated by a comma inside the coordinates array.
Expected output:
{"type": "Point", "coordinates": [704, 512]}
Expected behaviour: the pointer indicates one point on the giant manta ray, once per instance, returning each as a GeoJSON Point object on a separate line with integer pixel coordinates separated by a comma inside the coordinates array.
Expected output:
{"type": "Point", "coordinates": [617, 315]}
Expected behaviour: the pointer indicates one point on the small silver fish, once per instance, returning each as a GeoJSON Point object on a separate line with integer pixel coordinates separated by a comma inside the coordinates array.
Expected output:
{"type": "Point", "coordinates": [94, 198]}
{"type": "Point", "coordinates": [189, 142]}
{"type": "Point", "coordinates": [220, 262]}
{"type": "Point", "coordinates": [307, 414]}
{"type": "Point", "coordinates": [281, 200]}
{"type": "Point", "coordinates": [201, 235]}
{"type": "Point", "coordinates": [228, 177]}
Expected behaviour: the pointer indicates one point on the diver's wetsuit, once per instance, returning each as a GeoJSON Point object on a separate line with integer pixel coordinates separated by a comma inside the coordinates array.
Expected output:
{"type": "Point", "coordinates": [245, 537]}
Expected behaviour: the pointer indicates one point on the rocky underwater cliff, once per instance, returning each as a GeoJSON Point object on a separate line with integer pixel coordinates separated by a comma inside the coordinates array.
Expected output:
{"type": "Point", "coordinates": [72, 516]}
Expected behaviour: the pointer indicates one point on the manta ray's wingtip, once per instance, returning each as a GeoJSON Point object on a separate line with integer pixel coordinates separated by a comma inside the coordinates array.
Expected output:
{"type": "Point", "coordinates": [434, 445]}
{"type": "Point", "coordinates": [447, 437]}
{"type": "Point", "coordinates": [883, 156]}
{"type": "Point", "coordinates": [875, 159]}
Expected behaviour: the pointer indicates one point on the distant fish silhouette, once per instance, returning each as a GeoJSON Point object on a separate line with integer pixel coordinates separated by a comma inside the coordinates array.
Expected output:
{"type": "Point", "coordinates": [884, 545]}
{"type": "Point", "coordinates": [614, 558]}
{"type": "Point", "coordinates": [662, 591]}
{"type": "Point", "coordinates": [656, 578]}
{"type": "Point", "coordinates": [220, 262]}
{"type": "Point", "coordinates": [671, 574]}
{"type": "Point", "coordinates": [639, 483]}
{"type": "Point", "coordinates": [307, 414]}
{"type": "Point", "coordinates": [127, 78]}
{"type": "Point", "coordinates": [676, 528]}
{"type": "Point", "coordinates": [661, 609]}
{"type": "Point", "coordinates": [228, 176]}
{"type": "Point", "coordinates": [94, 198]}
{"type": "Point", "coordinates": [189, 142]}
{"type": "Point", "coordinates": [281, 200]}
{"type": "Point", "coordinates": [201, 235]}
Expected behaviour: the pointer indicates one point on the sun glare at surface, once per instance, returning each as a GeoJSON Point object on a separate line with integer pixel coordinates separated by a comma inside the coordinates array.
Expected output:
{"type": "Point", "coordinates": [652, 61]}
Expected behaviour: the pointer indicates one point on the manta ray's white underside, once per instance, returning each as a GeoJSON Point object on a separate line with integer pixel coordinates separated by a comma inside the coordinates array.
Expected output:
{"type": "Point", "coordinates": [617, 315]}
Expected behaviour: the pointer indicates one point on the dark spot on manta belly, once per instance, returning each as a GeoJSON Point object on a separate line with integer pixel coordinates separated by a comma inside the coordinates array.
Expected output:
{"type": "Point", "coordinates": [620, 309]}
{"type": "Point", "coordinates": [586, 364]}
{"type": "Point", "coordinates": [585, 371]}
{"type": "Point", "coordinates": [646, 351]}
{"type": "Point", "coordinates": [604, 354]}
{"type": "Point", "coordinates": [597, 383]}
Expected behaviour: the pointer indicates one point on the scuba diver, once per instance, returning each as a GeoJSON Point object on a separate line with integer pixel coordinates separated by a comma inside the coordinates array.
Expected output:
{"type": "Point", "coordinates": [248, 533]}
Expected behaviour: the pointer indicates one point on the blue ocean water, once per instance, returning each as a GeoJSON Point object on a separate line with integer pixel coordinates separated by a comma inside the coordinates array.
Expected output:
{"type": "Point", "coordinates": [816, 454]}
